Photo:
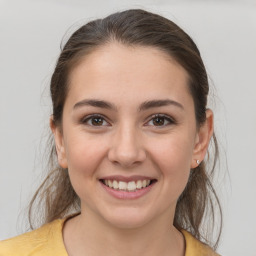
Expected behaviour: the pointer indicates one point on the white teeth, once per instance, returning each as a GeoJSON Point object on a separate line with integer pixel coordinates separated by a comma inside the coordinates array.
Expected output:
{"type": "Point", "coordinates": [131, 186]}
{"type": "Point", "coordinates": [123, 185]}
{"type": "Point", "coordinates": [115, 184]}
{"type": "Point", "coordinates": [139, 184]}
{"type": "Point", "coordinates": [110, 184]}
{"type": "Point", "coordinates": [126, 186]}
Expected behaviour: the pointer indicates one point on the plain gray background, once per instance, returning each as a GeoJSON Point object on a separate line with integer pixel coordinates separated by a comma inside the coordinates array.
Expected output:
{"type": "Point", "coordinates": [225, 32]}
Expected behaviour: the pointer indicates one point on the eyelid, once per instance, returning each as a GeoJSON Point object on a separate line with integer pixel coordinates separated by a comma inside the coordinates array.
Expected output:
{"type": "Point", "coordinates": [85, 119]}
{"type": "Point", "coordinates": [170, 119]}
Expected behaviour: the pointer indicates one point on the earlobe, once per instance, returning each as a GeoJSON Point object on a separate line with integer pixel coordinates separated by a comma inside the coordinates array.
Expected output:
{"type": "Point", "coordinates": [202, 141]}
{"type": "Point", "coordinates": [59, 144]}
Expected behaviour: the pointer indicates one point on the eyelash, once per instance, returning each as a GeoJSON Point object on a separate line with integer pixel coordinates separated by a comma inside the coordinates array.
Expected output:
{"type": "Point", "coordinates": [167, 118]}
{"type": "Point", "coordinates": [91, 117]}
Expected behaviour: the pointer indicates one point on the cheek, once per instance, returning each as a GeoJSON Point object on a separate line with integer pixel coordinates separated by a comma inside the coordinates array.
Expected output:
{"type": "Point", "coordinates": [173, 157]}
{"type": "Point", "coordinates": [84, 154]}
{"type": "Point", "coordinates": [173, 151]}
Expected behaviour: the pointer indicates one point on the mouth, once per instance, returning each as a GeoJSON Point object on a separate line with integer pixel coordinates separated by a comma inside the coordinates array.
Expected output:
{"type": "Point", "coordinates": [131, 186]}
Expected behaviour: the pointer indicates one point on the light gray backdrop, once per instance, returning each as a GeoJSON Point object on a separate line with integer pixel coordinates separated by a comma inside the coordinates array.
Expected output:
{"type": "Point", "coordinates": [225, 31]}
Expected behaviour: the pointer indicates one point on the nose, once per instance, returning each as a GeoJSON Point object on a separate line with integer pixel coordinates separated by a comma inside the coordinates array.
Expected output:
{"type": "Point", "coordinates": [126, 147]}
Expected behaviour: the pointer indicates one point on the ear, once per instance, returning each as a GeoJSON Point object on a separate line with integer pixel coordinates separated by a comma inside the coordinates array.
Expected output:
{"type": "Point", "coordinates": [203, 138]}
{"type": "Point", "coordinates": [59, 144]}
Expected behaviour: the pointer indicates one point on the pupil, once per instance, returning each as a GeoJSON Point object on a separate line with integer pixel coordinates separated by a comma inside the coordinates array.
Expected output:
{"type": "Point", "coordinates": [97, 121]}
{"type": "Point", "coordinates": [158, 121]}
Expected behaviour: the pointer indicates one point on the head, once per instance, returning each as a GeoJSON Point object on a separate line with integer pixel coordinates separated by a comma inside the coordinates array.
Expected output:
{"type": "Point", "coordinates": [132, 28]}
{"type": "Point", "coordinates": [136, 32]}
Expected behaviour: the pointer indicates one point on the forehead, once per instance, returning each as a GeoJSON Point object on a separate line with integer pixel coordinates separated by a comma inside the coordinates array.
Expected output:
{"type": "Point", "coordinates": [118, 71]}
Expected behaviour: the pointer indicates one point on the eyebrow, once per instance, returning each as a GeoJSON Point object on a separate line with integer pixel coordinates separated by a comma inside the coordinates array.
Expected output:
{"type": "Point", "coordinates": [144, 106]}
{"type": "Point", "coordinates": [95, 103]}
{"type": "Point", "coordinates": [159, 103]}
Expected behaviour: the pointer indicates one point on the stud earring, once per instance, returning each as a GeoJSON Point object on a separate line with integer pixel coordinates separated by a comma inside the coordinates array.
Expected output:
{"type": "Point", "coordinates": [197, 161]}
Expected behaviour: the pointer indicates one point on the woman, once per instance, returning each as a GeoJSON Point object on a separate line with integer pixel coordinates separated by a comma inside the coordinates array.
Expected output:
{"type": "Point", "coordinates": [131, 132]}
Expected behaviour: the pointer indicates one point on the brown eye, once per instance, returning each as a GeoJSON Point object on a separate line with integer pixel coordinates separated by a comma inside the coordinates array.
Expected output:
{"type": "Point", "coordinates": [160, 121]}
{"type": "Point", "coordinates": [95, 120]}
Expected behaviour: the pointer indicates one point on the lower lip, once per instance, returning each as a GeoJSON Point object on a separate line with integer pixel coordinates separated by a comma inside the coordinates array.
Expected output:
{"type": "Point", "coordinates": [125, 194]}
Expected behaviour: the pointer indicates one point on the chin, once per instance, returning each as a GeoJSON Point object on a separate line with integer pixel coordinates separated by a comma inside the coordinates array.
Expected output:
{"type": "Point", "coordinates": [127, 219]}
{"type": "Point", "coordinates": [128, 223]}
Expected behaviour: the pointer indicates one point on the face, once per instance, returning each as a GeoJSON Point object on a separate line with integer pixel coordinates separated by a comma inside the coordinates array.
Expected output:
{"type": "Point", "coordinates": [129, 136]}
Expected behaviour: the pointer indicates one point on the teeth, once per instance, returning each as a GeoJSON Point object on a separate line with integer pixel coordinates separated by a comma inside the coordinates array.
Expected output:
{"type": "Point", "coordinates": [123, 185]}
{"type": "Point", "coordinates": [126, 186]}
{"type": "Point", "coordinates": [110, 184]}
{"type": "Point", "coordinates": [115, 184]}
{"type": "Point", "coordinates": [139, 184]}
{"type": "Point", "coordinates": [131, 186]}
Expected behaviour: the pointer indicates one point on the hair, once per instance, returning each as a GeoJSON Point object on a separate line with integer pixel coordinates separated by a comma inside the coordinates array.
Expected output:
{"type": "Point", "coordinates": [56, 197]}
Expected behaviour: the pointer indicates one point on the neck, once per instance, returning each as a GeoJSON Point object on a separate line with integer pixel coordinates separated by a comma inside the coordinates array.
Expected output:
{"type": "Point", "coordinates": [88, 235]}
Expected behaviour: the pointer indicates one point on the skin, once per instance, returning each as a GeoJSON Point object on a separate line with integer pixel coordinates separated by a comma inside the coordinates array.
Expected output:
{"type": "Point", "coordinates": [127, 142]}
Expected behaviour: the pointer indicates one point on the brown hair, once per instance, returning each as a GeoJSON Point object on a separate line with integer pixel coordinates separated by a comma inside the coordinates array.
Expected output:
{"type": "Point", "coordinates": [133, 28]}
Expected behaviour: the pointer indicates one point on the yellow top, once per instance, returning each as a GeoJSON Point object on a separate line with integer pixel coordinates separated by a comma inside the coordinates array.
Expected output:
{"type": "Point", "coordinates": [48, 241]}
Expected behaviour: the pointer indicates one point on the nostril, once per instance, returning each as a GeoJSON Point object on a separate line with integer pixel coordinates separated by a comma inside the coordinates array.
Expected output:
{"type": "Point", "coordinates": [126, 150]}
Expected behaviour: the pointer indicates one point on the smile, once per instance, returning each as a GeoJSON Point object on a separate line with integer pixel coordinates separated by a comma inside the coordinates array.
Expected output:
{"type": "Point", "coordinates": [130, 186]}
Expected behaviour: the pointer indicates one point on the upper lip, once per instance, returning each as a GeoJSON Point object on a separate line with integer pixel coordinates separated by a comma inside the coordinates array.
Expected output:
{"type": "Point", "coordinates": [127, 179]}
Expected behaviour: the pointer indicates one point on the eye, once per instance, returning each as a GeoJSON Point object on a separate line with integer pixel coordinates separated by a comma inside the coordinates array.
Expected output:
{"type": "Point", "coordinates": [95, 120]}
{"type": "Point", "coordinates": [160, 120]}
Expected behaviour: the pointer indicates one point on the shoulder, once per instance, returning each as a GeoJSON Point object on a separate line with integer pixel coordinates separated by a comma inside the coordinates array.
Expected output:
{"type": "Point", "coordinates": [46, 240]}
{"type": "Point", "coordinates": [195, 247]}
